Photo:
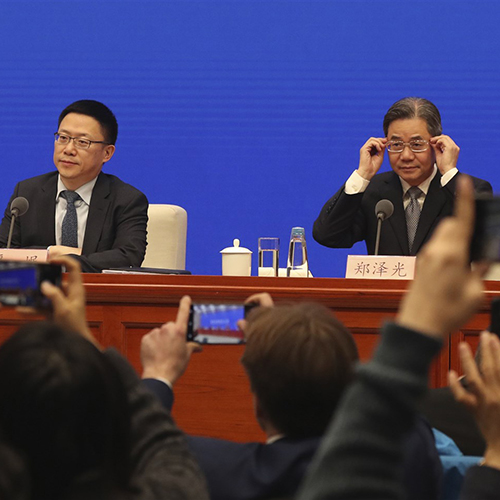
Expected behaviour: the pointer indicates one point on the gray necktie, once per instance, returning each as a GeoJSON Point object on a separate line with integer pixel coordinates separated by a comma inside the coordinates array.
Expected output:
{"type": "Point", "coordinates": [412, 214]}
{"type": "Point", "coordinates": [69, 235]}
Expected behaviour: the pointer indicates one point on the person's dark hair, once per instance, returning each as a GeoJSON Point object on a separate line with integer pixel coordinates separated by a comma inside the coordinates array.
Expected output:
{"type": "Point", "coordinates": [99, 112]}
{"type": "Point", "coordinates": [64, 408]}
{"type": "Point", "coordinates": [415, 107]}
{"type": "Point", "coordinates": [299, 359]}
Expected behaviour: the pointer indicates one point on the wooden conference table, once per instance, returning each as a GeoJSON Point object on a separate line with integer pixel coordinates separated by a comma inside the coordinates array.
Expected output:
{"type": "Point", "coordinates": [213, 396]}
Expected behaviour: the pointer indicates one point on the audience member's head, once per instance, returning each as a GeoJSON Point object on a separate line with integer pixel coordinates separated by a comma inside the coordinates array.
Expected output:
{"type": "Point", "coordinates": [299, 359]}
{"type": "Point", "coordinates": [414, 107]}
{"type": "Point", "coordinates": [64, 409]}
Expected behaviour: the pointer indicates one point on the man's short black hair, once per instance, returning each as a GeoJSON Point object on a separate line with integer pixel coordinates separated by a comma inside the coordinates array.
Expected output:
{"type": "Point", "coordinates": [99, 112]}
{"type": "Point", "coordinates": [415, 107]}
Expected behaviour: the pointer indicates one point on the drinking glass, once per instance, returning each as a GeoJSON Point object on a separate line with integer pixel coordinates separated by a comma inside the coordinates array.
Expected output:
{"type": "Point", "coordinates": [269, 249]}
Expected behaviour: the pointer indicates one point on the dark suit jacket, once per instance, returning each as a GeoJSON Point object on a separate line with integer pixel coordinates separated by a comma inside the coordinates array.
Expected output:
{"type": "Point", "coordinates": [245, 471]}
{"type": "Point", "coordinates": [346, 219]}
{"type": "Point", "coordinates": [482, 483]}
{"type": "Point", "coordinates": [115, 235]}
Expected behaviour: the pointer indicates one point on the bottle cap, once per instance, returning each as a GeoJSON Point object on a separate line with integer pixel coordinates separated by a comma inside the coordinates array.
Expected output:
{"type": "Point", "coordinates": [298, 231]}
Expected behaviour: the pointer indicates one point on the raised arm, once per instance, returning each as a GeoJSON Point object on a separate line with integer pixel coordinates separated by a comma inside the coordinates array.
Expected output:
{"type": "Point", "coordinates": [362, 453]}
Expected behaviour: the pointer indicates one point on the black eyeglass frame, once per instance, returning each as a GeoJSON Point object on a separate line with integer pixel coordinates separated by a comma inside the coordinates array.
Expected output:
{"type": "Point", "coordinates": [57, 135]}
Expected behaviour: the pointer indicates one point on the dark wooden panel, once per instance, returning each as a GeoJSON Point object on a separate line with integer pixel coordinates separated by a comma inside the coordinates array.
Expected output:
{"type": "Point", "coordinates": [215, 379]}
{"type": "Point", "coordinates": [213, 397]}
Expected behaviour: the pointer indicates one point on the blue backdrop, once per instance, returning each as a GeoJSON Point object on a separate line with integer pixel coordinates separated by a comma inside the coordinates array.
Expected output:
{"type": "Point", "coordinates": [249, 114]}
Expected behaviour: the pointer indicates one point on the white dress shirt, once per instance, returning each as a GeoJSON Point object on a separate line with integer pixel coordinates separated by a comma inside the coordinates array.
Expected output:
{"type": "Point", "coordinates": [82, 208]}
{"type": "Point", "coordinates": [357, 184]}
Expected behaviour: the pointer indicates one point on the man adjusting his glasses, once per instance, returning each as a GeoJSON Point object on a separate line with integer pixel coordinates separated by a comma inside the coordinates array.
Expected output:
{"type": "Point", "coordinates": [78, 210]}
{"type": "Point", "coordinates": [421, 185]}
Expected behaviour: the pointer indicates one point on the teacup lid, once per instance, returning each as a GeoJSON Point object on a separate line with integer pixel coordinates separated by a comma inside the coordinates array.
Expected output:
{"type": "Point", "coordinates": [236, 248]}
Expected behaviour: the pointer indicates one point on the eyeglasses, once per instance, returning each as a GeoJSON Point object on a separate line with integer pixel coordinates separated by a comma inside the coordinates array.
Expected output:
{"type": "Point", "coordinates": [80, 142]}
{"type": "Point", "coordinates": [417, 146]}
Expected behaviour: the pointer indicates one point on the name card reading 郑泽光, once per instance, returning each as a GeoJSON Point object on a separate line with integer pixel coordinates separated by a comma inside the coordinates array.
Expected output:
{"type": "Point", "coordinates": [24, 254]}
{"type": "Point", "coordinates": [380, 267]}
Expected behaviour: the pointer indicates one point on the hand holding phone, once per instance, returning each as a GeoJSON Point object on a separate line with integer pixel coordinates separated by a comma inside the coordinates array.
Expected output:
{"type": "Point", "coordinates": [68, 303]}
{"type": "Point", "coordinates": [165, 353]}
{"type": "Point", "coordinates": [217, 323]}
{"type": "Point", "coordinates": [20, 283]}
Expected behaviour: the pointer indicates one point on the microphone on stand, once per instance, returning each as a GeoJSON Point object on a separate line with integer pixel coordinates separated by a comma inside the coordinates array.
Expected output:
{"type": "Point", "coordinates": [383, 210]}
{"type": "Point", "coordinates": [18, 207]}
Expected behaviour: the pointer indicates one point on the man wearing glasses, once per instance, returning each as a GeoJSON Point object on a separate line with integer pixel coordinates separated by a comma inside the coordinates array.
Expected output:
{"type": "Point", "coordinates": [421, 185]}
{"type": "Point", "coordinates": [78, 210]}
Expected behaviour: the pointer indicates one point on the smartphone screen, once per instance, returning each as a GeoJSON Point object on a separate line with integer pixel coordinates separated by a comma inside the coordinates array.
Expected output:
{"type": "Point", "coordinates": [13, 279]}
{"type": "Point", "coordinates": [216, 323]}
{"type": "Point", "coordinates": [485, 243]}
{"type": "Point", "coordinates": [20, 283]}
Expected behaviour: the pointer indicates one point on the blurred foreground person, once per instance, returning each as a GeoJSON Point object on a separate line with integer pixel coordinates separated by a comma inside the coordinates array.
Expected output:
{"type": "Point", "coordinates": [482, 398]}
{"type": "Point", "coordinates": [299, 360]}
{"type": "Point", "coordinates": [79, 417]}
{"type": "Point", "coordinates": [361, 456]}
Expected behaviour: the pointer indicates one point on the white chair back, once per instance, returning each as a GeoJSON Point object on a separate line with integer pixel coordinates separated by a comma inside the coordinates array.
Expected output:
{"type": "Point", "coordinates": [167, 233]}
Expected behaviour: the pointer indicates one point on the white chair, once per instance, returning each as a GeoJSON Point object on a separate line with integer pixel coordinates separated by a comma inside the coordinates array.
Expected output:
{"type": "Point", "coordinates": [167, 232]}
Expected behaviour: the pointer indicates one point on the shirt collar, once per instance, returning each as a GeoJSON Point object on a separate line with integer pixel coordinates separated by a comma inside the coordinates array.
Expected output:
{"type": "Point", "coordinates": [275, 438]}
{"type": "Point", "coordinates": [84, 191]}
{"type": "Point", "coordinates": [424, 187]}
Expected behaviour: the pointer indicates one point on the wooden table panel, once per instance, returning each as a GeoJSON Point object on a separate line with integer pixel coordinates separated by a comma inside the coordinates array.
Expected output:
{"type": "Point", "coordinates": [213, 397]}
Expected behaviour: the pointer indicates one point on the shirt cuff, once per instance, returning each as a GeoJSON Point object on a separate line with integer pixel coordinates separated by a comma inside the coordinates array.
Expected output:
{"type": "Point", "coordinates": [445, 178]}
{"type": "Point", "coordinates": [164, 380]}
{"type": "Point", "coordinates": [355, 184]}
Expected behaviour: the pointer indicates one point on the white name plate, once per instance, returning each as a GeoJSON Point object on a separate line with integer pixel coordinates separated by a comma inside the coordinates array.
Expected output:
{"type": "Point", "coordinates": [23, 254]}
{"type": "Point", "coordinates": [380, 267]}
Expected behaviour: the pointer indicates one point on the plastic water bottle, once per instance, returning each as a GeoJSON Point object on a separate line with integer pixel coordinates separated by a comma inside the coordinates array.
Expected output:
{"type": "Point", "coordinates": [297, 253]}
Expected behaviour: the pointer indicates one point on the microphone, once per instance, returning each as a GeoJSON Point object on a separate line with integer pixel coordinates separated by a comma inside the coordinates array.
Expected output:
{"type": "Point", "coordinates": [383, 210]}
{"type": "Point", "coordinates": [18, 207]}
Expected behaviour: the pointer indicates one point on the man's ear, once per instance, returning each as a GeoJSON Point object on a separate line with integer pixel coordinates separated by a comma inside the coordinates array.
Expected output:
{"type": "Point", "coordinates": [109, 151]}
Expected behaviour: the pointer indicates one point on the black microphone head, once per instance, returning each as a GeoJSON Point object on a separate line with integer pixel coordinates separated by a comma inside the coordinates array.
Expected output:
{"type": "Point", "coordinates": [19, 206]}
{"type": "Point", "coordinates": [384, 209]}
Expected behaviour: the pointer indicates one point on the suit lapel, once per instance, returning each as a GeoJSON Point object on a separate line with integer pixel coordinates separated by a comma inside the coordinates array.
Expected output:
{"type": "Point", "coordinates": [46, 224]}
{"type": "Point", "coordinates": [394, 192]}
{"type": "Point", "coordinates": [99, 205]}
{"type": "Point", "coordinates": [434, 202]}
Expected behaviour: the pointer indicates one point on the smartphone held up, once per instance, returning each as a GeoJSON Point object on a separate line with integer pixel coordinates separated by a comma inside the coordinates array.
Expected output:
{"type": "Point", "coordinates": [217, 323]}
{"type": "Point", "coordinates": [485, 243]}
{"type": "Point", "coordinates": [20, 283]}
